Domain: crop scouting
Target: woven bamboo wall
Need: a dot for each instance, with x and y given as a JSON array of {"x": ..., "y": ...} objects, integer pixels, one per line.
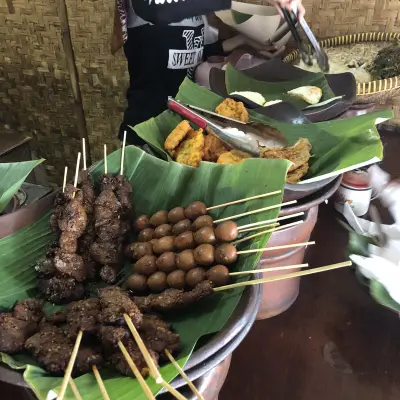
[{"x": 35, "y": 85}]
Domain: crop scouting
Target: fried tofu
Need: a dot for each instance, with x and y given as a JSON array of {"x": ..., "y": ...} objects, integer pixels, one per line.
[
  {"x": 299, "y": 154},
  {"x": 176, "y": 137},
  {"x": 296, "y": 175},
  {"x": 233, "y": 157},
  {"x": 213, "y": 147},
  {"x": 233, "y": 109},
  {"x": 190, "y": 151}
]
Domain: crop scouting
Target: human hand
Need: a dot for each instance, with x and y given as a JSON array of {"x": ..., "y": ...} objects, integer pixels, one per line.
[
  {"x": 268, "y": 49},
  {"x": 290, "y": 5}
]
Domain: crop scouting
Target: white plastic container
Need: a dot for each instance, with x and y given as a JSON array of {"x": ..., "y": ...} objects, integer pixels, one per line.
[{"x": 355, "y": 189}]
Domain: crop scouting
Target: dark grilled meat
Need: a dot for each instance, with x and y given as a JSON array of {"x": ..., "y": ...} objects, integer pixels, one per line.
[
  {"x": 84, "y": 316},
  {"x": 108, "y": 229},
  {"x": 88, "y": 192},
  {"x": 158, "y": 335},
  {"x": 114, "y": 304},
  {"x": 120, "y": 364},
  {"x": 109, "y": 274},
  {"x": 106, "y": 252},
  {"x": 29, "y": 310},
  {"x": 86, "y": 358},
  {"x": 90, "y": 267},
  {"x": 107, "y": 206},
  {"x": 51, "y": 349},
  {"x": 173, "y": 298},
  {"x": 87, "y": 238},
  {"x": 73, "y": 218},
  {"x": 14, "y": 332},
  {"x": 57, "y": 318},
  {"x": 108, "y": 182},
  {"x": 60, "y": 290},
  {"x": 46, "y": 266},
  {"x": 68, "y": 242},
  {"x": 123, "y": 192},
  {"x": 70, "y": 265},
  {"x": 109, "y": 337}
]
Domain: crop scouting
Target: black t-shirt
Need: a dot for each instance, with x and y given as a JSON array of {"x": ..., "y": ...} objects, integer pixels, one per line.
[{"x": 159, "y": 58}]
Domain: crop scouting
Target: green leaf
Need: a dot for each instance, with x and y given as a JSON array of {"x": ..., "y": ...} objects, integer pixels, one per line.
[
  {"x": 12, "y": 176},
  {"x": 382, "y": 296},
  {"x": 237, "y": 81},
  {"x": 156, "y": 185},
  {"x": 337, "y": 145},
  {"x": 358, "y": 244},
  {"x": 240, "y": 17}
]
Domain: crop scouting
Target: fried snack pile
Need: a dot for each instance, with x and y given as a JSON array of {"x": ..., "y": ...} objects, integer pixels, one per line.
[
  {"x": 299, "y": 154},
  {"x": 233, "y": 109},
  {"x": 187, "y": 146}
]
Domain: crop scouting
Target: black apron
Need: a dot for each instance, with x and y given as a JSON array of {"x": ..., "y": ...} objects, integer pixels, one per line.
[{"x": 159, "y": 59}]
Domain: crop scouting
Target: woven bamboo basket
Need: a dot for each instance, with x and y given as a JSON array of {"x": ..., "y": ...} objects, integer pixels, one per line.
[{"x": 367, "y": 92}]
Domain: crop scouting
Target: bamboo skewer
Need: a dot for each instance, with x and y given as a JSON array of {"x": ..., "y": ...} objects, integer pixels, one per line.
[
  {"x": 84, "y": 153},
  {"x": 243, "y": 228},
  {"x": 255, "y": 211},
  {"x": 183, "y": 375},
  {"x": 100, "y": 382},
  {"x": 65, "y": 179},
  {"x": 123, "y": 154},
  {"x": 75, "y": 389},
  {"x": 154, "y": 372},
  {"x": 105, "y": 159},
  {"x": 243, "y": 200},
  {"x": 286, "y": 246},
  {"x": 70, "y": 366},
  {"x": 257, "y": 228},
  {"x": 136, "y": 372},
  {"x": 256, "y": 271},
  {"x": 286, "y": 276},
  {"x": 279, "y": 228},
  {"x": 78, "y": 162}
]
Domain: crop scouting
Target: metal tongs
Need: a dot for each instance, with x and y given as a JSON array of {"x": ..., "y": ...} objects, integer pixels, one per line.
[{"x": 306, "y": 52}]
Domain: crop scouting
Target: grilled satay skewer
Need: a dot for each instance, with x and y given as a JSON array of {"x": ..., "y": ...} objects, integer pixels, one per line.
[
  {"x": 65, "y": 178},
  {"x": 183, "y": 375},
  {"x": 100, "y": 382},
  {"x": 154, "y": 372}
]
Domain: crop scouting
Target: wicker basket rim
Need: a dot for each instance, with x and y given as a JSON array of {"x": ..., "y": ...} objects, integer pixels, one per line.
[{"x": 365, "y": 88}]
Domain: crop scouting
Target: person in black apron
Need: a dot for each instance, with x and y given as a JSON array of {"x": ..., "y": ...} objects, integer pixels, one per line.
[{"x": 161, "y": 53}]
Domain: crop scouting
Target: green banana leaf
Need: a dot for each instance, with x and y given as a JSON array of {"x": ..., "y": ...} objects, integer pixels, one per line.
[
  {"x": 237, "y": 81},
  {"x": 156, "y": 185},
  {"x": 240, "y": 17},
  {"x": 337, "y": 145},
  {"x": 382, "y": 296},
  {"x": 12, "y": 176},
  {"x": 358, "y": 244}
]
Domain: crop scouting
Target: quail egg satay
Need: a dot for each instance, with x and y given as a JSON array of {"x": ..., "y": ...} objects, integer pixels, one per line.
[
  {"x": 177, "y": 279},
  {"x": 185, "y": 241},
  {"x": 204, "y": 254},
  {"x": 226, "y": 231},
  {"x": 202, "y": 221},
  {"x": 225, "y": 254},
  {"x": 159, "y": 218},
  {"x": 195, "y": 276},
  {"x": 163, "y": 230},
  {"x": 195, "y": 210},
  {"x": 182, "y": 226},
  {"x": 205, "y": 235},
  {"x": 218, "y": 275},
  {"x": 176, "y": 215},
  {"x": 137, "y": 283},
  {"x": 141, "y": 223}
]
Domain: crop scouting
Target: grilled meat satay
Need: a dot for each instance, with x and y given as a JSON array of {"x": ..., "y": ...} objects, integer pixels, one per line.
[
  {"x": 60, "y": 289},
  {"x": 109, "y": 274},
  {"x": 158, "y": 335},
  {"x": 70, "y": 265},
  {"x": 73, "y": 218},
  {"x": 83, "y": 316},
  {"x": 172, "y": 299},
  {"x": 88, "y": 192},
  {"x": 106, "y": 253},
  {"x": 123, "y": 192},
  {"x": 19, "y": 325},
  {"x": 52, "y": 349},
  {"x": 114, "y": 304},
  {"x": 118, "y": 361}
]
